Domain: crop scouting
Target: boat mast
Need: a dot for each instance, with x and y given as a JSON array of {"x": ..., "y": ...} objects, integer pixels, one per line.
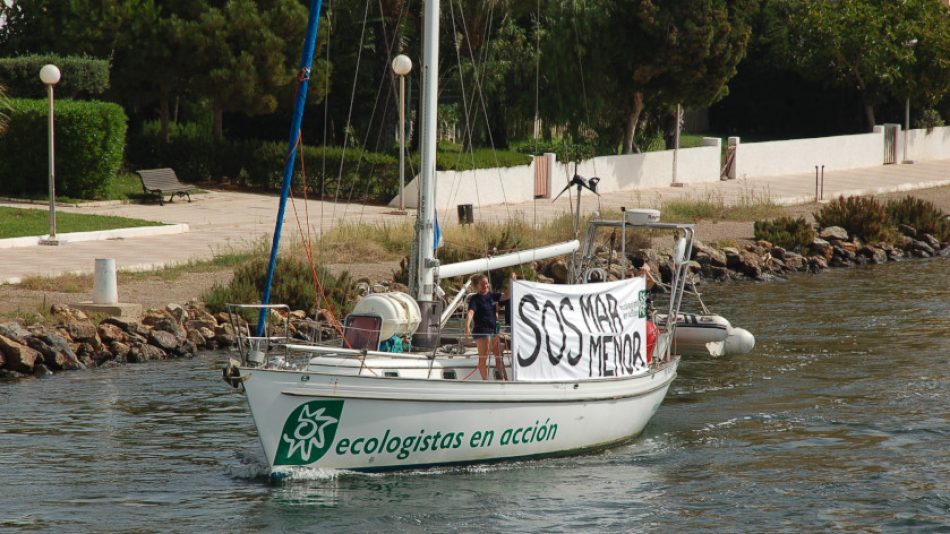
[
  {"x": 306, "y": 61},
  {"x": 425, "y": 262}
]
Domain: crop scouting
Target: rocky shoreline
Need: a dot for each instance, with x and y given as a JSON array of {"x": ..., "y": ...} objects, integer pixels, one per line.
[{"x": 73, "y": 341}]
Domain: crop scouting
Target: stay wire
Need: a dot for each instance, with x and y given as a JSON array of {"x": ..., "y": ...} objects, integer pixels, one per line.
[{"x": 484, "y": 108}]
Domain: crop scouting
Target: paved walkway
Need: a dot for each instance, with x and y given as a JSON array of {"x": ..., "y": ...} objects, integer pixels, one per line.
[{"x": 221, "y": 221}]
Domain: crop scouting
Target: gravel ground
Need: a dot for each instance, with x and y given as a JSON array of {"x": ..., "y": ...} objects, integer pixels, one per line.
[{"x": 155, "y": 292}]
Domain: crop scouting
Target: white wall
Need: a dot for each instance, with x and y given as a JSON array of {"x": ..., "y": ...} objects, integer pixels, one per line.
[
  {"x": 923, "y": 146},
  {"x": 777, "y": 158},
  {"x": 479, "y": 187},
  {"x": 650, "y": 169},
  {"x": 617, "y": 173}
]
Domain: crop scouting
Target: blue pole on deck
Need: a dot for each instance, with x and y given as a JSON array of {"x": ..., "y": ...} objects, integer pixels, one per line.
[{"x": 306, "y": 61}]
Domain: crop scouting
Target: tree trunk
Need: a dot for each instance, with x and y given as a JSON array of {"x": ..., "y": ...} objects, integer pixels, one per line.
[
  {"x": 164, "y": 111},
  {"x": 869, "y": 116},
  {"x": 218, "y": 123},
  {"x": 868, "y": 108},
  {"x": 632, "y": 119}
]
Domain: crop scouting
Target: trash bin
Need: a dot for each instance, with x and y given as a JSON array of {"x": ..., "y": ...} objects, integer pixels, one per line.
[{"x": 466, "y": 214}]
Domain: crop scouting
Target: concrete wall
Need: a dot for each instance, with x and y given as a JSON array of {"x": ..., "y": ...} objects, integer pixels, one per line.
[
  {"x": 650, "y": 169},
  {"x": 923, "y": 146},
  {"x": 479, "y": 187},
  {"x": 777, "y": 158},
  {"x": 616, "y": 173},
  {"x": 694, "y": 165}
]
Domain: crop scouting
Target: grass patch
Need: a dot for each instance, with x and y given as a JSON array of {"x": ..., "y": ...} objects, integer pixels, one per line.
[
  {"x": 22, "y": 222},
  {"x": 125, "y": 186},
  {"x": 361, "y": 243},
  {"x": 220, "y": 262},
  {"x": 750, "y": 206},
  {"x": 82, "y": 283},
  {"x": 66, "y": 283}
]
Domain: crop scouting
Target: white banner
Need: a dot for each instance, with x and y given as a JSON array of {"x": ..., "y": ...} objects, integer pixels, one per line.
[{"x": 572, "y": 332}]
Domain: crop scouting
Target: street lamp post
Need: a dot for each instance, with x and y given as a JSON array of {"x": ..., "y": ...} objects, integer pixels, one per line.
[
  {"x": 909, "y": 44},
  {"x": 401, "y": 67},
  {"x": 676, "y": 147},
  {"x": 50, "y": 75}
]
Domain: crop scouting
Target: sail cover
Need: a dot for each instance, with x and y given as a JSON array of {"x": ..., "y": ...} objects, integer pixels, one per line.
[{"x": 578, "y": 332}]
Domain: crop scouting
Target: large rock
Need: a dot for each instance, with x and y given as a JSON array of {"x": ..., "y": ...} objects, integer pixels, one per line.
[
  {"x": 197, "y": 340},
  {"x": 834, "y": 233},
  {"x": 80, "y": 331},
  {"x": 931, "y": 240},
  {"x": 904, "y": 243},
  {"x": 172, "y": 327},
  {"x": 817, "y": 263},
  {"x": 225, "y": 336},
  {"x": 844, "y": 253},
  {"x": 14, "y": 331},
  {"x": 110, "y": 332},
  {"x": 198, "y": 324},
  {"x": 144, "y": 353},
  {"x": 19, "y": 357},
  {"x": 750, "y": 265},
  {"x": 907, "y": 230},
  {"x": 120, "y": 350},
  {"x": 820, "y": 247},
  {"x": 164, "y": 340},
  {"x": 177, "y": 313},
  {"x": 705, "y": 254},
  {"x": 924, "y": 247},
  {"x": 873, "y": 254},
  {"x": 129, "y": 326},
  {"x": 56, "y": 352},
  {"x": 795, "y": 262}
]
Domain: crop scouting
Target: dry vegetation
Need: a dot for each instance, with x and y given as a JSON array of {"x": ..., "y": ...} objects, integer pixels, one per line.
[{"x": 351, "y": 246}]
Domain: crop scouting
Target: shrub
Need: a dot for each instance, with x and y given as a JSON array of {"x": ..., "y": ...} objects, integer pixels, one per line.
[
  {"x": 90, "y": 140},
  {"x": 479, "y": 158},
  {"x": 566, "y": 148},
  {"x": 864, "y": 217},
  {"x": 191, "y": 150},
  {"x": 930, "y": 119},
  {"x": 83, "y": 77},
  {"x": 293, "y": 285},
  {"x": 786, "y": 232},
  {"x": 351, "y": 174},
  {"x": 920, "y": 214}
]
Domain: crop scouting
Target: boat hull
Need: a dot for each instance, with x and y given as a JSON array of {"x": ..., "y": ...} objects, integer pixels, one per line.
[{"x": 373, "y": 424}]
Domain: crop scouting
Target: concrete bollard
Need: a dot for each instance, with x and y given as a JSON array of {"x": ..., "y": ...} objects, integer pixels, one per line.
[{"x": 104, "y": 287}]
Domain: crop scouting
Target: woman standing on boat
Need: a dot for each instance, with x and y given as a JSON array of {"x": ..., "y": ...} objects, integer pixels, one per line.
[{"x": 482, "y": 308}]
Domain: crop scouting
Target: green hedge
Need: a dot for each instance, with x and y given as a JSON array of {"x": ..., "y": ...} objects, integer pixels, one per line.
[
  {"x": 82, "y": 77},
  {"x": 350, "y": 174},
  {"x": 90, "y": 140}
]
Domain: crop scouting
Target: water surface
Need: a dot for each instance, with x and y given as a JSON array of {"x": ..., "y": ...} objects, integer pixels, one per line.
[{"x": 839, "y": 420}]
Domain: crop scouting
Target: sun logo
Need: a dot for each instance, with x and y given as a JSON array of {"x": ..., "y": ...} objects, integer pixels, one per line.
[{"x": 308, "y": 432}]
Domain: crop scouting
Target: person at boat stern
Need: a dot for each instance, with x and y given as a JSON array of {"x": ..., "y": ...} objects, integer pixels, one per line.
[{"x": 483, "y": 312}]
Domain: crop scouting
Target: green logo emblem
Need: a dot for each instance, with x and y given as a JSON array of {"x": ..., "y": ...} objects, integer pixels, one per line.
[
  {"x": 644, "y": 295},
  {"x": 308, "y": 432}
]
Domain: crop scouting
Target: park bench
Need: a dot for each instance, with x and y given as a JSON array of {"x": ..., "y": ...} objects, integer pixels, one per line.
[{"x": 163, "y": 182}]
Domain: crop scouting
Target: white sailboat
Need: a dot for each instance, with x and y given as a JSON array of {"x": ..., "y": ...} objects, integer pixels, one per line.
[{"x": 583, "y": 374}]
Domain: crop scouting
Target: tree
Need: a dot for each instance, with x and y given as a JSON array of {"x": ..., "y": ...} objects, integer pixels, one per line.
[
  {"x": 242, "y": 54},
  {"x": 635, "y": 54},
  {"x": 884, "y": 48}
]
